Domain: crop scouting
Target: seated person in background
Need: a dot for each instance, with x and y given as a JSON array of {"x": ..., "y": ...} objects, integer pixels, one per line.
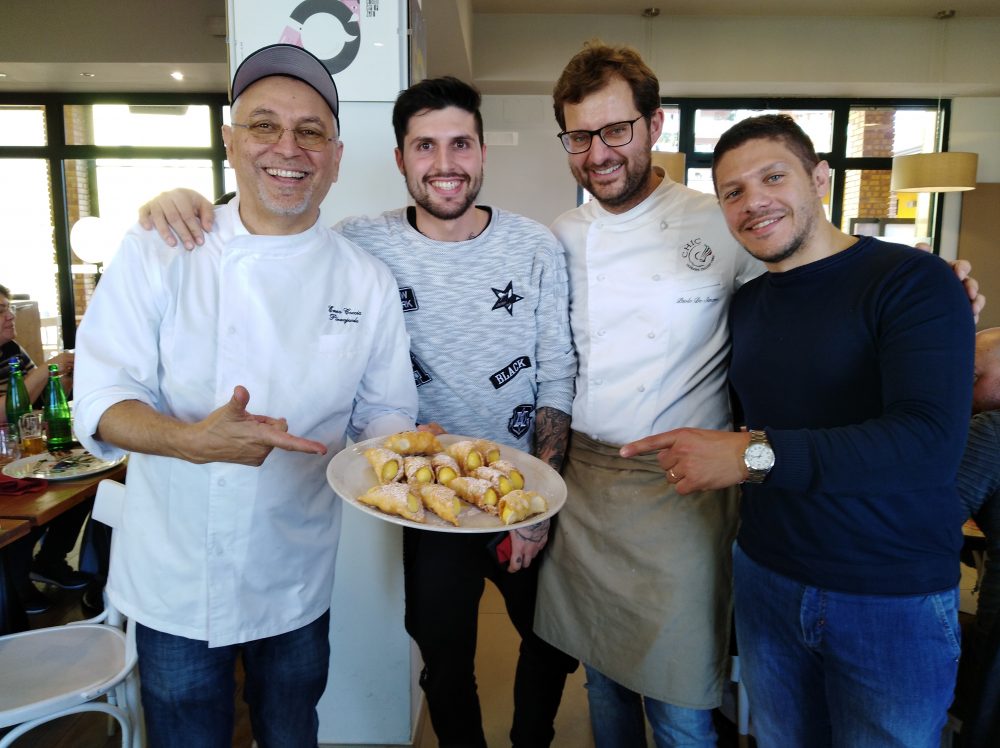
[
  {"x": 58, "y": 536},
  {"x": 979, "y": 488}
]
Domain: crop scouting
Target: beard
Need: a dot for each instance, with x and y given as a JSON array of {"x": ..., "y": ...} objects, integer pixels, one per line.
[
  {"x": 448, "y": 211},
  {"x": 285, "y": 205},
  {"x": 790, "y": 248},
  {"x": 613, "y": 196}
]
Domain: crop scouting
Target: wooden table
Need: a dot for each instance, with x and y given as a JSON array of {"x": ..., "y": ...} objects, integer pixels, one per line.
[
  {"x": 58, "y": 497},
  {"x": 19, "y": 514}
]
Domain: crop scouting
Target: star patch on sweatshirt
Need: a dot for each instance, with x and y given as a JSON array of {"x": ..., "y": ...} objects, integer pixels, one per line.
[{"x": 506, "y": 298}]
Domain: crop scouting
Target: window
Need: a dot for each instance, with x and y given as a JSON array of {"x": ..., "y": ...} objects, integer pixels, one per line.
[
  {"x": 858, "y": 138},
  {"x": 77, "y": 156}
]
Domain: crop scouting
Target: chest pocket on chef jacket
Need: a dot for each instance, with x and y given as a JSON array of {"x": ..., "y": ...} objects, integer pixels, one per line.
[
  {"x": 695, "y": 305},
  {"x": 343, "y": 342}
]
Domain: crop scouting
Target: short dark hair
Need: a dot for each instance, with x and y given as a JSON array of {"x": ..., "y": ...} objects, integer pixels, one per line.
[
  {"x": 435, "y": 94},
  {"x": 4, "y": 291},
  {"x": 778, "y": 127},
  {"x": 594, "y": 66}
]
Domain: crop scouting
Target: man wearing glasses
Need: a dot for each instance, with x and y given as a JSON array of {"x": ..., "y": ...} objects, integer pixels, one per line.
[
  {"x": 230, "y": 532},
  {"x": 637, "y": 584}
]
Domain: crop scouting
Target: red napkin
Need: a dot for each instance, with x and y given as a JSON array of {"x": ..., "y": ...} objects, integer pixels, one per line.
[{"x": 18, "y": 486}]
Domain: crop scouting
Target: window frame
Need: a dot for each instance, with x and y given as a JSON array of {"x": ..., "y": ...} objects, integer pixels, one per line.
[
  {"x": 57, "y": 151},
  {"x": 840, "y": 164}
]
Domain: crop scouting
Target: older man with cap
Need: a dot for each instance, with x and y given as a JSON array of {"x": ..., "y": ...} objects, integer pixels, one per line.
[{"x": 230, "y": 533}]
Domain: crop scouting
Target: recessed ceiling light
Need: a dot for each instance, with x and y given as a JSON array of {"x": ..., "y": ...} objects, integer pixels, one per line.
[
  {"x": 3, "y": 75},
  {"x": 177, "y": 75},
  {"x": 87, "y": 75}
]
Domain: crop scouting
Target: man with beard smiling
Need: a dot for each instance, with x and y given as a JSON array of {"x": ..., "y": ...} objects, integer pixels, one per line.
[
  {"x": 485, "y": 299},
  {"x": 853, "y": 360},
  {"x": 637, "y": 581},
  {"x": 229, "y": 537}
]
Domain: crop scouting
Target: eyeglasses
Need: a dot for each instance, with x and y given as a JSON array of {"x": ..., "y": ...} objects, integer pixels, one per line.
[
  {"x": 307, "y": 138},
  {"x": 4, "y": 308},
  {"x": 614, "y": 135}
]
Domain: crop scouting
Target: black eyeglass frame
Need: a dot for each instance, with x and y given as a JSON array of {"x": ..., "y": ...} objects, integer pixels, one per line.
[{"x": 599, "y": 133}]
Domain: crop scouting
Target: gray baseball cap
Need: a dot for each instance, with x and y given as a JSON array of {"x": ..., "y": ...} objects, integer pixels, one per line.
[{"x": 290, "y": 60}]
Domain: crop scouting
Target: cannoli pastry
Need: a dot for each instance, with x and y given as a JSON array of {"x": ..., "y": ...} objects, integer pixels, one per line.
[
  {"x": 507, "y": 468},
  {"x": 498, "y": 480},
  {"x": 395, "y": 498},
  {"x": 489, "y": 450},
  {"x": 388, "y": 465},
  {"x": 418, "y": 469},
  {"x": 445, "y": 468},
  {"x": 441, "y": 500},
  {"x": 413, "y": 443},
  {"x": 466, "y": 454},
  {"x": 476, "y": 491},
  {"x": 519, "y": 505}
]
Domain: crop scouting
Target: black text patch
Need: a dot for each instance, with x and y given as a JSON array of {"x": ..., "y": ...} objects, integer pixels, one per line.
[{"x": 499, "y": 378}]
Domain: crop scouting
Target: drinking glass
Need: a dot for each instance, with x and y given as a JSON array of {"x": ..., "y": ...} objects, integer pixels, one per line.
[
  {"x": 32, "y": 434},
  {"x": 10, "y": 450}
]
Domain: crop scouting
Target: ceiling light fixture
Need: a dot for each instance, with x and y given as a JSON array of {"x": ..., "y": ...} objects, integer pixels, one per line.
[
  {"x": 177, "y": 75},
  {"x": 943, "y": 171},
  {"x": 87, "y": 75},
  {"x": 650, "y": 12}
]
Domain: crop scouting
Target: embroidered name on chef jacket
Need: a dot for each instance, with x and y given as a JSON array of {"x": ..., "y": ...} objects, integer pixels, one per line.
[
  {"x": 499, "y": 378},
  {"x": 506, "y": 298},
  {"x": 697, "y": 254},
  {"x": 346, "y": 315}
]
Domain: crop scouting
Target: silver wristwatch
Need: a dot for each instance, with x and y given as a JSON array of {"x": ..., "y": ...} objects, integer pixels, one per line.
[{"x": 758, "y": 457}]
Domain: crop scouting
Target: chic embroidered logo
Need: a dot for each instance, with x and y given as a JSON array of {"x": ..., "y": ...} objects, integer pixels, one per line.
[{"x": 697, "y": 254}]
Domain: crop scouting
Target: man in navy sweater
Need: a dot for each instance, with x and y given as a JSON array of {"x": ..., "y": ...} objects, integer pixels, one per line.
[{"x": 852, "y": 359}]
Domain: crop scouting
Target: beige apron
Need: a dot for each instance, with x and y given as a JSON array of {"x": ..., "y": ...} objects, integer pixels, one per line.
[{"x": 637, "y": 579}]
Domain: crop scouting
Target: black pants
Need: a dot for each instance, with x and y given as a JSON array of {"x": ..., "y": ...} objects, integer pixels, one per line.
[{"x": 445, "y": 575}]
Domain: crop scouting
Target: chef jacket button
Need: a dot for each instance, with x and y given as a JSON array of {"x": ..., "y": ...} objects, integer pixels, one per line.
[
  {"x": 656, "y": 277},
  {"x": 651, "y": 335},
  {"x": 600, "y": 333},
  {"x": 641, "y": 388},
  {"x": 600, "y": 277},
  {"x": 221, "y": 482},
  {"x": 598, "y": 381},
  {"x": 231, "y": 330}
]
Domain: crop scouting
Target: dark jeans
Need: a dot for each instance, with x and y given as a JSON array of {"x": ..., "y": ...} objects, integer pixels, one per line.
[
  {"x": 188, "y": 688},
  {"x": 445, "y": 575},
  {"x": 58, "y": 538}
]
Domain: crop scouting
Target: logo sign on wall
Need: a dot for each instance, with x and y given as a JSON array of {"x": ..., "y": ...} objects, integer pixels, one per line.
[{"x": 361, "y": 42}]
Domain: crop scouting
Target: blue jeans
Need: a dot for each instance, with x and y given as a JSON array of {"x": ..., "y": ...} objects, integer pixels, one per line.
[
  {"x": 616, "y": 718},
  {"x": 188, "y": 688},
  {"x": 826, "y": 668}
]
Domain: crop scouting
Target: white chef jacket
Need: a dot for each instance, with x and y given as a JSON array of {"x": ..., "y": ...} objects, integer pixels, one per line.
[
  {"x": 312, "y": 327},
  {"x": 649, "y": 298}
]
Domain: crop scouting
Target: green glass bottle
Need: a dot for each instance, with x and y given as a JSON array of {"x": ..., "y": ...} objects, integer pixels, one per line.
[
  {"x": 56, "y": 413},
  {"x": 17, "y": 397}
]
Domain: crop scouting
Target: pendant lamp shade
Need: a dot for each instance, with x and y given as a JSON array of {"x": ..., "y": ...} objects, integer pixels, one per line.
[{"x": 950, "y": 171}]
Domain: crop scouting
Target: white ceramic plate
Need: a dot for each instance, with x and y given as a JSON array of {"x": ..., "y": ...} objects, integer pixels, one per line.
[
  {"x": 71, "y": 464},
  {"x": 350, "y": 475}
]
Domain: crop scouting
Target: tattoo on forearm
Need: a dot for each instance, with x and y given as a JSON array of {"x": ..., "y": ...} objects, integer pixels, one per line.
[
  {"x": 535, "y": 533},
  {"x": 551, "y": 436}
]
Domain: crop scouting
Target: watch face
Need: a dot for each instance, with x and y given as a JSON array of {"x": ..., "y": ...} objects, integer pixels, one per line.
[{"x": 759, "y": 457}]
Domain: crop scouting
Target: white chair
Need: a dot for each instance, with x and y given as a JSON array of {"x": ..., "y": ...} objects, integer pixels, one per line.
[
  {"x": 742, "y": 703},
  {"x": 52, "y": 672}
]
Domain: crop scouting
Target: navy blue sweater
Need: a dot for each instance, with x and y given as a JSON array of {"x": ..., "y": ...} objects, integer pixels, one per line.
[{"x": 859, "y": 367}]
